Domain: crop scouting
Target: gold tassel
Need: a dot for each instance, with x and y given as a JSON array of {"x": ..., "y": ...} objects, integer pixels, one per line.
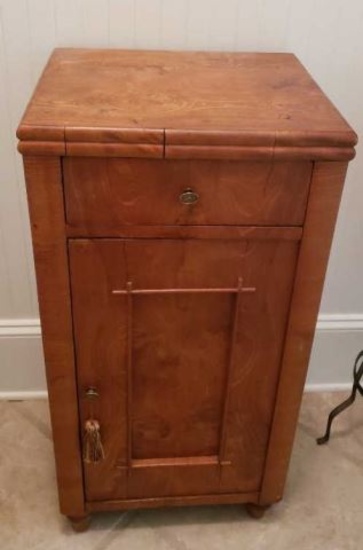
[{"x": 92, "y": 445}]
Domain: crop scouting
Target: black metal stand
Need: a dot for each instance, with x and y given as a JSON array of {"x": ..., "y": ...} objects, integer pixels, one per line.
[{"x": 357, "y": 387}]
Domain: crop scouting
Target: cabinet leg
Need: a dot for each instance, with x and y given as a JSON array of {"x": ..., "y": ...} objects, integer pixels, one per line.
[
  {"x": 256, "y": 511},
  {"x": 80, "y": 523}
]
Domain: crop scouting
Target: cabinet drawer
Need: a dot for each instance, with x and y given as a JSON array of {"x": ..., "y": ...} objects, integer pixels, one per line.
[{"x": 102, "y": 194}]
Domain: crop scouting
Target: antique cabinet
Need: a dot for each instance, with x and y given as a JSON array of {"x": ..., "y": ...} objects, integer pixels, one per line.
[{"x": 182, "y": 209}]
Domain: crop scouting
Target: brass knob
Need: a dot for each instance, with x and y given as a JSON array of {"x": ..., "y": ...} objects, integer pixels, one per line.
[
  {"x": 189, "y": 196},
  {"x": 91, "y": 393}
]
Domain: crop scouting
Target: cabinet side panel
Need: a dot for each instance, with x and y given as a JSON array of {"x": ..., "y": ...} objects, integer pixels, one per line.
[
  {"x": 326, "y": 188},
  {"x": 44, "y": 188}
]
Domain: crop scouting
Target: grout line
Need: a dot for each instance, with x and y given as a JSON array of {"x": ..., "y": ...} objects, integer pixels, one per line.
[
  {"x": 28, "y": 415},
  {"x": 171, "y": 539},
  {"x": 122, "y": 522}
]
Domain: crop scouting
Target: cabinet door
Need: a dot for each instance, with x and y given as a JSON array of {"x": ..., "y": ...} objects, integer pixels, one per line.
[{"x": 182, "y": 340}]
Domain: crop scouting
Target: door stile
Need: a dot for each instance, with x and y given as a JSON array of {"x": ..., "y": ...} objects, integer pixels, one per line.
[
  {"x": 222, "y": 446},
  {"x": 129, "y": 374}
]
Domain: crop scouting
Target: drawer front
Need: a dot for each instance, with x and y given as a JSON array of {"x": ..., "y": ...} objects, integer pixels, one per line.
[{"x": 103, "y": 194}]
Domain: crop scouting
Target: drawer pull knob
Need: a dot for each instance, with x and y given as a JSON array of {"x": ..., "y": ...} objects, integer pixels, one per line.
[
  {"x": 91, "y": 393},
  {"x": 189, "y": 196}
]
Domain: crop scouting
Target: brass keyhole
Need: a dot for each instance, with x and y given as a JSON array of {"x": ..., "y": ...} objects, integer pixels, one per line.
[
  {"x": 189, "y": 196},
  {"x": 91, "y": 393}
]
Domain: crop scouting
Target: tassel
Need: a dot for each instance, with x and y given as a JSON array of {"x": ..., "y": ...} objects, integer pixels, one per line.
[{"x": 92, "y": 445}]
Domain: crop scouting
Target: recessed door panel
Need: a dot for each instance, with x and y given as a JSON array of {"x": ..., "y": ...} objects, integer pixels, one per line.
[{"x": 180, "y": 352}]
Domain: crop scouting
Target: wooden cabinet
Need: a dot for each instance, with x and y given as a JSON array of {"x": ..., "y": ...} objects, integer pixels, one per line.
[{"x": 181, "y": 236}]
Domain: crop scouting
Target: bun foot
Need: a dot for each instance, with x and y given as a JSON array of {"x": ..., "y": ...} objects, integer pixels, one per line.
[
  {"x": 80, "y": 523},
  {"x": 256, "y": 511}
]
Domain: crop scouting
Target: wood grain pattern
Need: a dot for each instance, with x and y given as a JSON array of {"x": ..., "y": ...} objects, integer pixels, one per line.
[
  {"x": 326, "y": 189},
  {"x": 127, "y": 150},
  {"x": 51, "y": 148},
  {"x": 102, "y": 195},
  {"x": 157, "y": 502},
  {"x": 113, "y": 134},
  {"x": 258, "y": 233},
  {"x": 101, "y": 321},
  {"x": 257, "y": 361},
  {"x": 179, "y": 360},
  {"x": 232, "y": 152},
  {"x": 185, "y": 418},
  {"x": 44, "y": 187},
  {"x": 174, "y": 461},
  {"x": 180, "y": 91},
  {"x": 257, "y": 145},
  {"x": 199, "y": 382}
]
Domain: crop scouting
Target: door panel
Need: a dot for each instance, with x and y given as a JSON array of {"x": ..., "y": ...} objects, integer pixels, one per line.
[
  {"x": 169, "y": 361},
  {"x": 182, "y": 339}
]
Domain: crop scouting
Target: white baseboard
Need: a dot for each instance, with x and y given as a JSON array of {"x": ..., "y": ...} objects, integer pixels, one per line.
[
  {"x": 338, "y": 339},
  {"x": 23, "y": 395},
  {"x": 16, "y": 328},
  {"x": 336, "y": 321},
  {"x": 310, "y": 388},
  {"x": 22, "y": 373}
]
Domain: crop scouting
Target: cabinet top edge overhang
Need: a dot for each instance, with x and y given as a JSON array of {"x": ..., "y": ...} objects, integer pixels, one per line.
[{"x": 181, "y": 105}]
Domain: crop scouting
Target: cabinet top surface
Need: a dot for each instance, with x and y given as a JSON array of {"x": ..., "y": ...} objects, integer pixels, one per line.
[{"x": 261, "y": 98}]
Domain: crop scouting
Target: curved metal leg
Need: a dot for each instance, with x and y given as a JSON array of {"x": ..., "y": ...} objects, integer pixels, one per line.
[{"x": 357, "y": 387}]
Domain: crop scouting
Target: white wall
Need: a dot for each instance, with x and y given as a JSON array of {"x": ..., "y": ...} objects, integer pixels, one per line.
[{"x": 325, "y": 34}]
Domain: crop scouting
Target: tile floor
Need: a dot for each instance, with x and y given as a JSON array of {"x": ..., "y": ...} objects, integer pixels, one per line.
[{"x": 322, "y": 508}]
